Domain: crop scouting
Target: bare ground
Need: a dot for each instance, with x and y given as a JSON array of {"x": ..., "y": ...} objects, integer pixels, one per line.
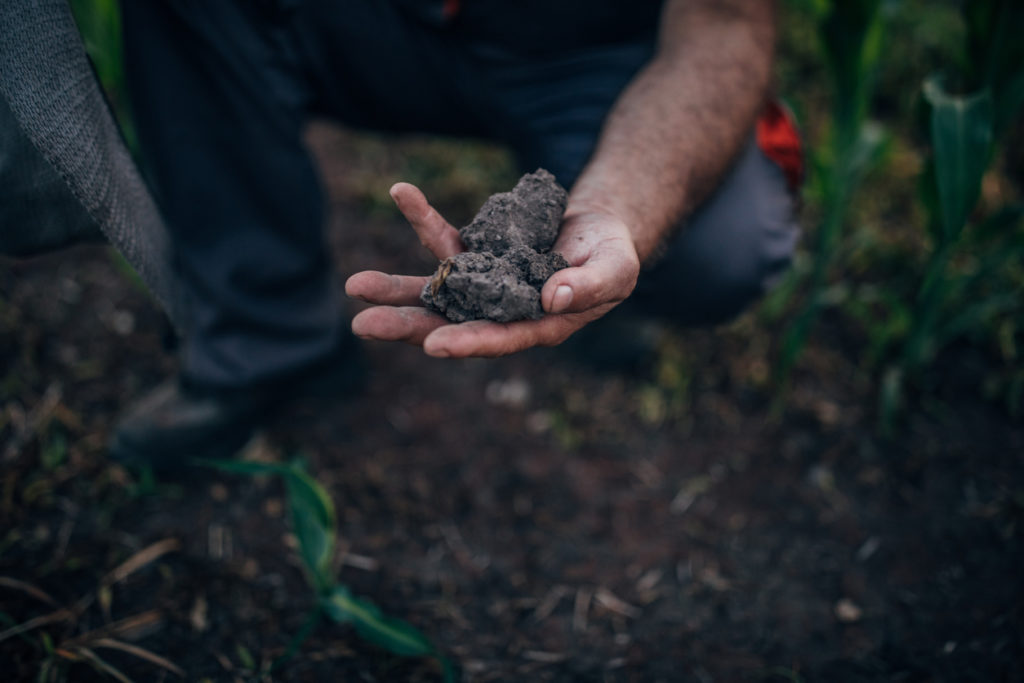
[{"x": 539, "y": 519}]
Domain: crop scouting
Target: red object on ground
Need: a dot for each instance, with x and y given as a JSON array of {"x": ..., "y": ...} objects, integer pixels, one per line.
[{"x": 778, "y": 138}]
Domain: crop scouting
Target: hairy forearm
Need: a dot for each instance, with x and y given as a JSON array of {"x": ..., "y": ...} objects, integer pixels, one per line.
[{"x": 675, "y": 129}]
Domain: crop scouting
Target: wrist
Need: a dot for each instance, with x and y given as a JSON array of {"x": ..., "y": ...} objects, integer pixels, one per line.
[
  {"x": 598, "y": 212},
  {"x": 647, "y": 230}
]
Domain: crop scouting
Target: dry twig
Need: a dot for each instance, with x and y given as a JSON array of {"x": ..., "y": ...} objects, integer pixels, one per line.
[
  {"x": 140, "y": 559},
  {"x": 25, "y": 587},
  {"x": 141, "y": 653}
]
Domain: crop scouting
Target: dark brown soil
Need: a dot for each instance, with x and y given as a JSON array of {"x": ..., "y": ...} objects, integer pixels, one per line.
[
  {"x": 508, "y": 257},
  {"x": 538, "y": 520}
]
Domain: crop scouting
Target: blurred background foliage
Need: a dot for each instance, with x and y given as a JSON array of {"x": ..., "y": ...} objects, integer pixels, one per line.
[
  {"x": 911, "y": 270},
  {"x": 912, "y": 206}
]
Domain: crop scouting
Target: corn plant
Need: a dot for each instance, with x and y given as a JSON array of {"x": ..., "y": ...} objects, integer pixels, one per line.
[
  {"x": 850, "y": 33},
  {"x": 952, "y": 300},
  {"x": 315, "y": 525}
]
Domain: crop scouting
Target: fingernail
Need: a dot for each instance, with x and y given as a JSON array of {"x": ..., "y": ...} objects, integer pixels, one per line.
[
  {"x": 435, "y": 350},
  {"x": 562, "y": 298}
]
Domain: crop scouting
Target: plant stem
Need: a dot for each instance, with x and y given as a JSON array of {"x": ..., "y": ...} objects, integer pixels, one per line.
[
  {"x": 299, "y": 638},
  {"x": 828, "y": 236},
  {"x": 930, "y": 300}
]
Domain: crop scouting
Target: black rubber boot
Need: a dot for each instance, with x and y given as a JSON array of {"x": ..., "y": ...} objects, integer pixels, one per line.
[
  {"x": 174, "y": 425},
  {"x": 178, "y": 423}
]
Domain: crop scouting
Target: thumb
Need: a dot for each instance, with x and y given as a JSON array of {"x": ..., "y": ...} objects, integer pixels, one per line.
[{"x": 605, "y": 278}]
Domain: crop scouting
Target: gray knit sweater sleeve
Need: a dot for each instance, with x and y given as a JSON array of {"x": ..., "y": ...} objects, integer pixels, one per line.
[{"x": 63, "y": 166}]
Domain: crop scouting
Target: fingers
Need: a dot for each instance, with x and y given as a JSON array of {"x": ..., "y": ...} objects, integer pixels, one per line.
[
  {"x": 605, "y": 273},
  {"x": 481, "y": 338},
  {"x": 608, "y": 277},
  {"x": 385, "y": 289},
  {"x": 410, "y": 324},
  {"x": 442, "y": 339},
  {"x": 435, "y": 233}
]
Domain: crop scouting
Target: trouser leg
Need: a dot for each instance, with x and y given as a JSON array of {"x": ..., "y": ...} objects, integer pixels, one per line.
[
  {"x": 219, "y": 104},
  {"x": 734, "y": 248}
]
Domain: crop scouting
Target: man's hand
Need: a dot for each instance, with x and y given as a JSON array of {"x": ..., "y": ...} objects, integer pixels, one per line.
[{"x": 603, "y": 270}]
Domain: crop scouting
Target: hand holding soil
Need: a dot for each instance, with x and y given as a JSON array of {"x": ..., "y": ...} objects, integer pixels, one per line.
[
  {"x": 509, "y": 256},
  {"x": 602, "y": 271}
]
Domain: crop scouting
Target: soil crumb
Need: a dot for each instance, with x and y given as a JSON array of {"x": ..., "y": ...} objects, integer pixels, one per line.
[{"x": 509, "y": 256}]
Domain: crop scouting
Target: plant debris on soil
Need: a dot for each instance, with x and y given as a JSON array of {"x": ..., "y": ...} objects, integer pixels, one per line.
[
  {"x": 509, "y": 256},
  {"x": 538, "y": 520}
]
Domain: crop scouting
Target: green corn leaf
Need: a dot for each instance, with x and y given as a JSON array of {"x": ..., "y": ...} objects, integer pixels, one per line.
[
  {"x": 961, "y": 133},
  {"x": 314, "y": 524},
  {"x": 851, "y": 41},
  {"x": 997, "y": 54},
  {"x": 394, "y": 635}
]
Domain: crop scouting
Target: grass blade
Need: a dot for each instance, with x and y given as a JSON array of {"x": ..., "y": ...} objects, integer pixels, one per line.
[
  {"x": 24, "y": 587},
  {"x": 59, "y": 615},
  {"x": 101, "y": 665},
  {"x": 141, "y": 653},
  {"x": 135, "y": 626},
  {"x": 147, "y": 555}
]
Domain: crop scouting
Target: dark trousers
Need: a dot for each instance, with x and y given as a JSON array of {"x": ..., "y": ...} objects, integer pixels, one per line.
[{"x": 222, "y": 90}]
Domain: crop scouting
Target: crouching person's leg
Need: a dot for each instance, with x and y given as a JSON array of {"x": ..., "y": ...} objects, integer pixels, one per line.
[
  {"x": 733, "y": 249},
  {"x": 220, "y": 105}
]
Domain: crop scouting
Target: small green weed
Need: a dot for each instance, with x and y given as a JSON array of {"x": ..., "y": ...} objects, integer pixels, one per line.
[{"x": 315, "y": 525}]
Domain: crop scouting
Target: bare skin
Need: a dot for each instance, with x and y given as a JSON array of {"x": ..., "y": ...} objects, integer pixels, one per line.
[{"x": 667, "y": 141}]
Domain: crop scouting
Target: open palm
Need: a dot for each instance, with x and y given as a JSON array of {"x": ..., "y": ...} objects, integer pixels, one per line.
[{"x": 603, "y": 271}]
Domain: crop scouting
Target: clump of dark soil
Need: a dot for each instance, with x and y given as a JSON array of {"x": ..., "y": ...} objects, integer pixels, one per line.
[{"x": 509, "y": 255}]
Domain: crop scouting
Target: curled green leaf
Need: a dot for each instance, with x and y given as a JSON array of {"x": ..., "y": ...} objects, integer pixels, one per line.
[{"x": 961, "y": 134}]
